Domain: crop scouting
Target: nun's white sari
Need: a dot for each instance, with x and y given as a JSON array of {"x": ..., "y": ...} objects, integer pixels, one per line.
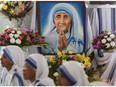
[
  {"x": 110, "y": 72},
  {"x": 42, "y": 70},
  {"x": 3, "y": 75},
  {"x": 74, "y": 73},
  {"x": 14, "y": 76}
]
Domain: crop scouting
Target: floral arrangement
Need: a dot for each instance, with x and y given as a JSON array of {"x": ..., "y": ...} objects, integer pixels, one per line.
[
  {"x": 55, "y": 61},
  {"x": 105, "y": 41},
  {"x": 15, "y": 9},
  {"x": 12, "y": 36}
]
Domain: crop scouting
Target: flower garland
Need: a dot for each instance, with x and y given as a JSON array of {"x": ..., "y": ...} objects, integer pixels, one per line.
[
  {"x": 15, "y": 9},
  {"x": 12, "y": 36}
]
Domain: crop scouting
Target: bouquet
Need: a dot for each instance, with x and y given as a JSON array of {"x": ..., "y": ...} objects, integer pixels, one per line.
[
  {"x": 15, "y": 9},
  {"x": 105, "y": 41},
  {"x": 55, "y": 61},
  {"x": 12, "y": 36}
]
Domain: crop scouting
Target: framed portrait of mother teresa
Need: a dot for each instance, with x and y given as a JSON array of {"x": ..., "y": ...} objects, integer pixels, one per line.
[{"x": 63, "y": 25}]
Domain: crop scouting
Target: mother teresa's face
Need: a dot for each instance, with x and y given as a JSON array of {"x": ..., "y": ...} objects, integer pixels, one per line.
[{"x": 62, "y": 21}]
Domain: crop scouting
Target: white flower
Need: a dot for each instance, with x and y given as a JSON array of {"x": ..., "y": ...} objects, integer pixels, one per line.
[
  {"x": 18, "y": 32},
  {"x": 7, "y": 27},
  {"x": 104, "y": 41},
  {"x": 16, "y": 35},
  {"x": 49, "y": 66},
  {"x": 105, "y": 36},
  {"x": 1, "y": 5},
  {"x": 18, "y": 41},
  {"x": 5, "y": 2},
  {"x": 64, "y": 61},
  {"x": 108, "y": 45},
  {"x": 11, "y": 35},
  {"x": 13, "y": 31},
  {"x": 15, "y": 28},
  {"x": 112, "y": 43},
  {"x": 112, "y": 36},
  {"x": 55, "y": 74},
  {"x": 12, "y": 40},
  {"x": 109, "y": 39},
  {"x": 109, "y": 33}
]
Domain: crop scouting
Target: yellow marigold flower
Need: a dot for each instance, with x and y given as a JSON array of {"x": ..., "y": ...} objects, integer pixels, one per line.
[
  {"x": 11, "y": 12},
  {"x": 19, "y": 4},
  {"x": 70, "y": 52},
  {"x": 5, "y": 7},
  {"x": 83, "y": 55},
  {"x": 63, "y": 52},
  {"x": 87, "y": 64},
  {"x": 78, "y": 55},
  {"x": 11, "y": 3},
  {"x": 51, "y": 58},
  {"x": 59, "y": 54},
  {"x": 86, "y": 59},
  {"x": 64, "y": 56}
]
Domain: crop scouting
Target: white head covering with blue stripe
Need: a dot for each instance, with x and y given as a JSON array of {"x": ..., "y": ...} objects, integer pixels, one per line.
[
  {"x": 39, "y": 62},
  {"x": 15, "y": 55},
  {"x": 74, "y": 73}
]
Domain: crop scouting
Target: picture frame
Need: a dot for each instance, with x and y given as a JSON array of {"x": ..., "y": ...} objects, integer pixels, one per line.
[{"x": 44, "y": 11}]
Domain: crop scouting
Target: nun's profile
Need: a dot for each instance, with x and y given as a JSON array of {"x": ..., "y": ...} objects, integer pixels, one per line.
[
  {"x": 13, "y": 60},
  {"x": 36, "y": 70},
  {"x": 72, "y": 73},
  {"x": 64, "y": 30}
]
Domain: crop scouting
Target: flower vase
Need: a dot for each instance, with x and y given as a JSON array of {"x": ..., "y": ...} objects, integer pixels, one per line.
[{"x": 16, "y": 23}]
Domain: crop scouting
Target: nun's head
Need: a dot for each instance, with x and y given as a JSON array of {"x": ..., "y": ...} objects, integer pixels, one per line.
[
  {"x": 6, "y": 62},
  {"x": 35, "y": 68},
  {"x": 72, "y": 73},
  {"x": 12, "y": 55},
  {"x": 29, "y": 72}
]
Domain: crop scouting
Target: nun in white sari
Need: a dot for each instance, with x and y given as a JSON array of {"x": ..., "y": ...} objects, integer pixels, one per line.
[
  {"x": 36, "y": 70},
  {"x": 72, "y": 74},
  {"x": 110, "y": 72},
  {"x": 13, "y": 61}
]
